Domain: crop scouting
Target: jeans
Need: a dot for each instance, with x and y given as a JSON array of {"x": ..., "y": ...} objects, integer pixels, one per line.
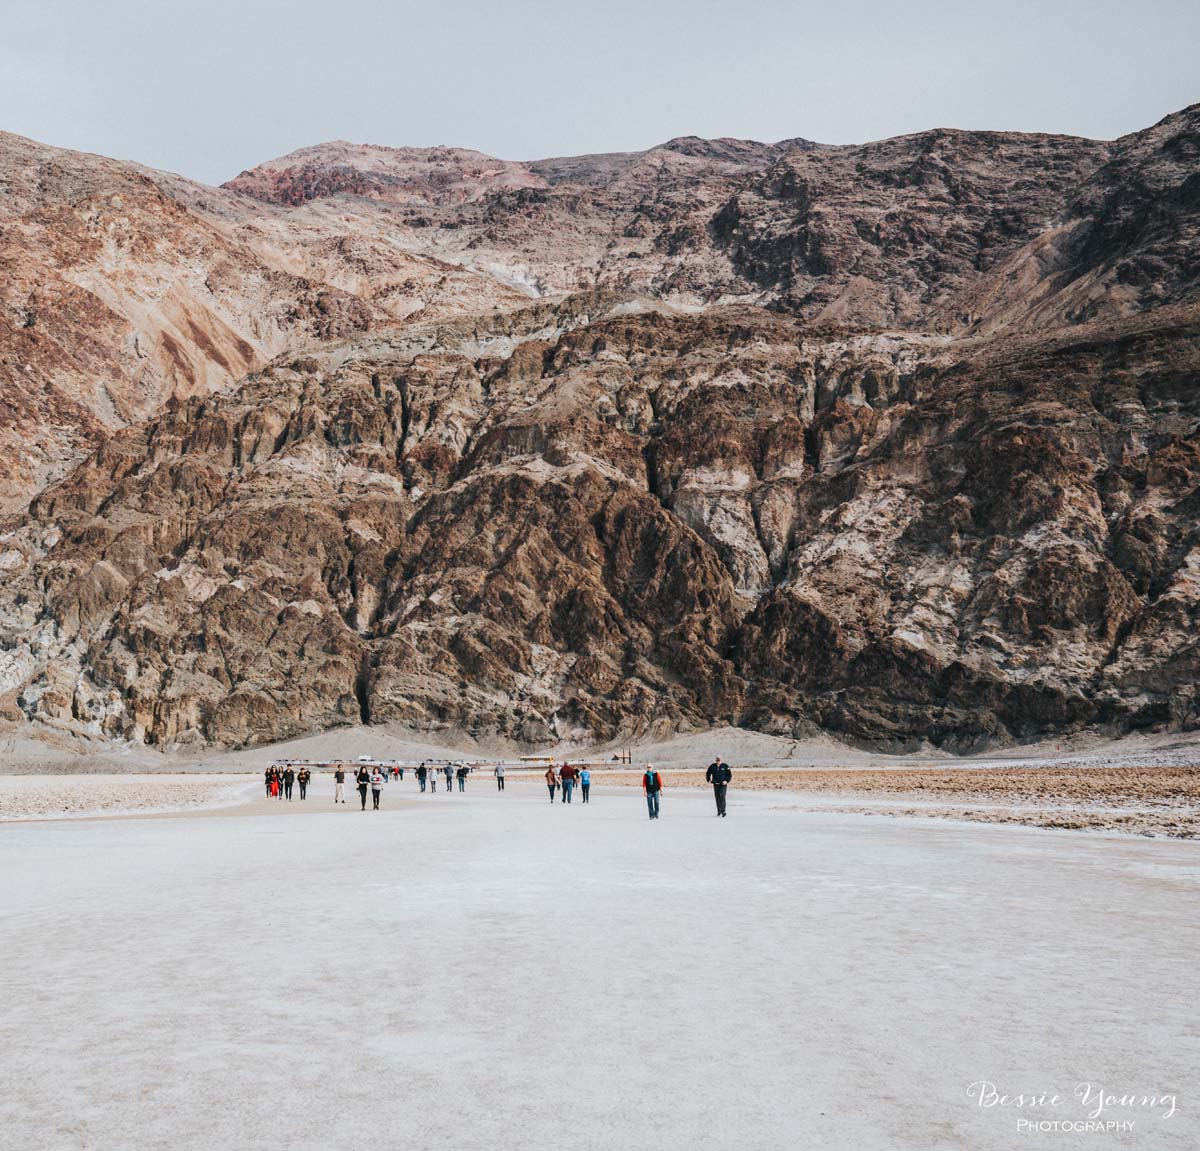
[
  {"x": 719, "y": 790},
  {"x": 462, "y": 783},
  {"x": 585, "y": 788},
  {"x": 499, "y": 783},
  {"x": 287, "y": 789},
  {"x": 374, "y": 798},
  {"x": 652, "y": 803},
  {"x": 568, "y": 789},
  {"x": 362, "y": 790},
  {"x": 552, "y": 787},
  {"x": 303, "y": 789},
  {"x": 422, "y": 783}
]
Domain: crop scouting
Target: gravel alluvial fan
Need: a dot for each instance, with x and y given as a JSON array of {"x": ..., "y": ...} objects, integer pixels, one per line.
[{"x": 899, "y": 441}]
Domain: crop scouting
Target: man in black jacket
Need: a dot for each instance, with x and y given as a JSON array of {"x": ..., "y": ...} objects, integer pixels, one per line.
[{"x": 719, "y": 775}]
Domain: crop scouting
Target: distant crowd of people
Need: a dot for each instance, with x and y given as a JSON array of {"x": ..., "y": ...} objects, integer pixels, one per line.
[
  {"x": 281, "y": 780},
  {"x": 562, "y": 781}
]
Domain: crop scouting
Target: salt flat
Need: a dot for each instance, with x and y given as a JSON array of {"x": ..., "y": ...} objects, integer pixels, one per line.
[{"x": 489, "y": 971}]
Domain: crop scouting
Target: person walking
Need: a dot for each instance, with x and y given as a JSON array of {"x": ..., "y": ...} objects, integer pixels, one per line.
[
  {"x": 421, "y": 774},
  {"x": 289, "y": 777},
  {"x": 719, "y": 775},
  {"x": 274, "y": 785},
  {"x": 377, "y": 778},
  {"x": 339, "y": 784},
  {"x": 551, "y": 781},
  {"x": 267, "y": 776},
  {"x": 433, "y": 774},
  {"x": 498, "y": 772},
  {"x": 567, "y": 775},
  {"x": 363, "y": 779},
  {"x": 302, "y": 778},
  {"x": 462, "y": 777},
  {"x": 448, "y": 770},
  {"x": 652, "y": 785},
  {"x": 585, "y": 784}
]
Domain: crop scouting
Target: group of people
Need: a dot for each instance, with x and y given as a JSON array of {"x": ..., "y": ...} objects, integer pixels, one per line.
[
  {"x": 372, "y": 777},
  {"x": 566, "y": 777},
  {"x": 427, "y": 774},
  {"x": 280, "y": 781},
  {"x": 719, "y": 775}
]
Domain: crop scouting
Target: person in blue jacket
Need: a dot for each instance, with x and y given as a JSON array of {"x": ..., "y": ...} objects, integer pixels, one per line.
[{"x": 585, "y": 783}]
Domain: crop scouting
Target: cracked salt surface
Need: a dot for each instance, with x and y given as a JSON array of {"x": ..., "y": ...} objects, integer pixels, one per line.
[{"x": 493, "y": 971}]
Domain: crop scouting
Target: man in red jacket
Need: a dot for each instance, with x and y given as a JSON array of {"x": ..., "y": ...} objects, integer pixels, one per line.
[
  {"x": 567, "y": 774},
  {"x": 652, "y": 784}
]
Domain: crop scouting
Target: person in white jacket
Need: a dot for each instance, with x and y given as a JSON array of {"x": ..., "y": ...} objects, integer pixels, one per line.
[{"x": 377, "y": 778}]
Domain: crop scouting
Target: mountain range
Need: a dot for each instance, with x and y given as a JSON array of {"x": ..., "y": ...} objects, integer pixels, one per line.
[{"x": 898, "y": 441}]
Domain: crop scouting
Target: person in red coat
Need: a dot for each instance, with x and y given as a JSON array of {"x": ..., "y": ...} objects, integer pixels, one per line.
[{"x": 568, "y": 775}]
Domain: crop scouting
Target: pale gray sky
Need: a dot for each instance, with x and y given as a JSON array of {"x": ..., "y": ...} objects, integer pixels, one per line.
[{"x": 209, "y": 87}]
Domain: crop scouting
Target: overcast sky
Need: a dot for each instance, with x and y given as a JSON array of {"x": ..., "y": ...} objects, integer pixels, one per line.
[{"x": 209, "y": 88}]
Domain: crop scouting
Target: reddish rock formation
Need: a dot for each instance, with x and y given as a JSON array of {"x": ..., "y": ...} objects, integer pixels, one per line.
[{"x": 900, "y": 441}]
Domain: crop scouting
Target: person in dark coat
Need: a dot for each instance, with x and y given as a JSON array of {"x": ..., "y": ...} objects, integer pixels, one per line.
[
  {"x": 719, "y": 775},
  {"x": 302, "y": 778},
  {"x": 422, "y": 773},
  {"x": 363, "y": 779},
  {"x": 289, "y": 777}
]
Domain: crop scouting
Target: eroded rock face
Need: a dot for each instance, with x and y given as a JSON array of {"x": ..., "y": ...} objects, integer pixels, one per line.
[
  {"x": 647, "y": 523},
  {"x": 897, "y": 441}
]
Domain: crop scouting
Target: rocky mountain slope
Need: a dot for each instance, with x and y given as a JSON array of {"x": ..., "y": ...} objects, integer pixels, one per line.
[{"x": 900, "y": 441}]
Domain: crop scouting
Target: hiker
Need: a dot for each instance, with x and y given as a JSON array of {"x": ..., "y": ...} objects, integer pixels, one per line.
[
  {"x": 377, "y": 778},
  {"x": 498, "y": 772},
  {"x": 652, "y": 785},
  {"x": 421, "y": 774},
  {"x": 302, "y": 778},
  {"x": 719, "y": 775},
  {"x": 289, "y": 777},
  {"x": 567, "y": 775},
  {"x": 339, "y": 784},
  {"x": 363, "y": 779},
  {"x": 462, "y": 777},
  {"x": 585, "y": 783},
  {"x": 551, "y": 781},
  {"x": 449, "y": 771}
]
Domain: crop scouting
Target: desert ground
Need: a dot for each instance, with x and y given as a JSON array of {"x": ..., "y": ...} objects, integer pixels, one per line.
[{"x": 491, "y": 971}]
